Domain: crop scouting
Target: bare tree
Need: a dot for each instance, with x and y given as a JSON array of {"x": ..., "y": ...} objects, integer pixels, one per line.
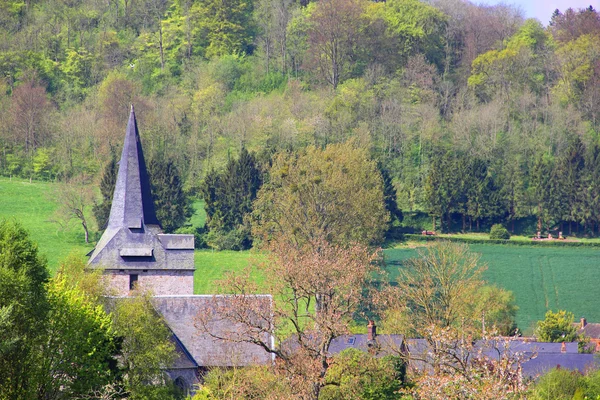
[
  {"x": 74, "y": 200},
  {"x": 315, "y": 292}
]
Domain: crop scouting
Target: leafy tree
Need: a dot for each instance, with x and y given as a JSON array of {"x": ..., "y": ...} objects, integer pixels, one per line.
[
  {"x": 556, "y": 327},
  {"x": 334, "y": 194},
  {"x": 254, "y": 382},
  {"x": 559, "y": 384},
  {"x": 146, "y": 348},
  {"x": 80, "y": 347},
  {"x": 499, "y": 232},
  {"x": 355, "y": 374},
  {"x": 223, "y": 27},
  {"x": 228, "y": 197},
  {"x": 107, "y": 186},
  {"x": 23, "y": 310},
  {"x": 442, "y": 287},
  {"x": 74, "y": 200},
  {"x": 172, "y": 204}
]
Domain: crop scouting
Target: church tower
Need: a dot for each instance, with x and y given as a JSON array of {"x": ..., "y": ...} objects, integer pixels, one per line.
[{"x": 133, "y": 251}]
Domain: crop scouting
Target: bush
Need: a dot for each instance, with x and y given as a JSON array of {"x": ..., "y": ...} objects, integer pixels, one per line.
[{"x": 499, "y": 232}]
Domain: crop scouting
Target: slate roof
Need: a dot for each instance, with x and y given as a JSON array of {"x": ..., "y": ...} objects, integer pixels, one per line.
[
  {"x": 133, "y": 238},
  {"x": 540, "y": 356},
  {"x": 181, "y": 314},
  {"x": 591, "y": 330},
  {"x": 384, "y": 344}
]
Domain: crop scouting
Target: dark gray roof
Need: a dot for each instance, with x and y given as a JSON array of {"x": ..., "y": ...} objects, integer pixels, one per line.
[
  {"x": 133, "y": 238},
  {"x": 546, "y": 361},
  {"x": 591, "y": 330},
  {"x": 181, "y": 313},
  {"x": 383, "y": 344},
  {"x": 132, "y": 203},
  {"x": 539, "y": 356}
]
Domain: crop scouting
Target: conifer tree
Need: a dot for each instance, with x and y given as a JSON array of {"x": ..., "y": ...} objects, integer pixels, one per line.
[
  {"x": 228, "y": 197},
  {"x": 107, "y": 186},
  {"x": 172, "y": 204}
]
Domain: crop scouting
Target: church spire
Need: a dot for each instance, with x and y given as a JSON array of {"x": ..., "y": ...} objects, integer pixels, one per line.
[{"x": 132, "y": 205}]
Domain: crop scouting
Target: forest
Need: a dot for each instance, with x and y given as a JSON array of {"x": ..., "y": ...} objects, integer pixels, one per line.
[{"x": 475, "y": 115}]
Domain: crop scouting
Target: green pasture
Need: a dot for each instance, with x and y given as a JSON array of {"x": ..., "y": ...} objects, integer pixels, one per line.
[
  {"x": 32, "y": 204},
  {"x": 541, "y": 278}
]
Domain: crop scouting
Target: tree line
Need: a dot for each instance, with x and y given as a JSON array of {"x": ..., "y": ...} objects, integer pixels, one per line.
[{"x": 404, "y": 78}]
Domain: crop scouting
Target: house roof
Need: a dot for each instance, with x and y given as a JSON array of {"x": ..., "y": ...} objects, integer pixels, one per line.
[
  {"x": 182, "y": 313},
  {"x": 591, "y": 330},
  {"x": 385, "y": 344},
  {"x": 539, "y": 356},
  {"x": 133, "y": 238}
]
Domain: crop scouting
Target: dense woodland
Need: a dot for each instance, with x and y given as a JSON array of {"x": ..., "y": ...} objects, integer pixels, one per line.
[{"x": 475, "y": 114}]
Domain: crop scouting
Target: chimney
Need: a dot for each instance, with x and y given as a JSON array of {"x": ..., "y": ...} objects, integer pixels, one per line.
[
  {"x": 563, "y": 347},
  {"x": 583, "y": 323},
  {"x": 371, "y": 330}
]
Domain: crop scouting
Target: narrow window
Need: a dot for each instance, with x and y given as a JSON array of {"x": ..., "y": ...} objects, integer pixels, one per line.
[{"x": 132, "y": 280}]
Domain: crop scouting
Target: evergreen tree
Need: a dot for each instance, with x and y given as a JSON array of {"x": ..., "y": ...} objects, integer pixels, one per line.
[
  {"x": 228, "y": 197},
  {"x": 172, "y": 204},
  {"x": 389, "y": 196},
  {"x": 107, "y": 186}
]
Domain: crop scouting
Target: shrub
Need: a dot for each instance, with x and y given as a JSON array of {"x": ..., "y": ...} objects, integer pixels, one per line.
[{"x": 499, "y": 232}]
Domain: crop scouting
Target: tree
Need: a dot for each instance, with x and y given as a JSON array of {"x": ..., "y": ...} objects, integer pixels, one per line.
[
  {"x": 228, "y": 197},
  {"x": 389, "y": 196},
  {"x": 556, "y": 327},
  {"x": 146, "y": 347},
  {"x": 333, "y": 32},
  {"x": 462, "y": 369},
  {"x": 172, "y": 204},
  {"x": 74, "y": 201},
  {"x": 223, "y": 27},
  {"x": 80, "y": 346},
  {"x": 317, "y": 288},
  {"x": 29, "y": 110},
  {"x": 253, "y": 382},
  {"x": 442, "y": 287},
  {"x": 333, "y": 194},
  {"x": 107, "y": 186},
  {"x": 355, "y": 374},
  {"x": 23, "y": 310}
]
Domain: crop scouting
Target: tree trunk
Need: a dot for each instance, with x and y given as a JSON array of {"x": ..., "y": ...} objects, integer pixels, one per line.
[
  {"x": 464, "y": 223},
  {"x": 160, "y": 45},
  {"x": 87, "y": 234}
]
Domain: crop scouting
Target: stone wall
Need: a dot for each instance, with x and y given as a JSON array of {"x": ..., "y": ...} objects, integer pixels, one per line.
[{"x": 160, "y": 282}]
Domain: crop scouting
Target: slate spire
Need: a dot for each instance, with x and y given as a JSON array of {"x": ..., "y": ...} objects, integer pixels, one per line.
[{"x": 132, "y": 205}]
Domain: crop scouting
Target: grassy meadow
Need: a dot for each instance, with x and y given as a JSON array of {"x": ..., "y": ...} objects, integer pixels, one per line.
[{"x": 33, "y": 205}]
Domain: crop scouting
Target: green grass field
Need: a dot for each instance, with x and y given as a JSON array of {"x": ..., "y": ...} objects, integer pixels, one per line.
[
  {"x": 32, "y": 205},
  {"x": 541, "y": 278}
]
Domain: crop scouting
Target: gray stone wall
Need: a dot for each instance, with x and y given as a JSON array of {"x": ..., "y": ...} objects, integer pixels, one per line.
[
  {"x": 188, "y": 378},
  {"x": 160, "y": 282}
]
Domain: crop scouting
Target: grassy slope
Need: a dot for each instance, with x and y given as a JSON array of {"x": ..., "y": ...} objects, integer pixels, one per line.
[
  {"x": 540, "y": 278},
  {"x": 32, "y": 205}
]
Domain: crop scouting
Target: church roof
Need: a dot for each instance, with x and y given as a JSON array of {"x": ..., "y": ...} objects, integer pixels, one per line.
[
  {"x": 132, "y": 203},
  {"x": 133, "y": 238},
  {"x": 183, "y": 315}
]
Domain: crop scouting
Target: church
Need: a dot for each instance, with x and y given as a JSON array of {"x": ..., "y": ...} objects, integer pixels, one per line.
[{"x": 133, "y": 252}]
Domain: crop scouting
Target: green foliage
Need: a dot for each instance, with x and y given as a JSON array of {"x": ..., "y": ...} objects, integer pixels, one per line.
[
  {"x": 23, "y": 310},
  {"x": 107, "y": 187},
  {"x": 80, "y": 350},
  {"x": 173, "y": 206},
  {"x": 222, "y": 28},
  {"x": 228, "y": 197},
  {"x": 355, "y": 374},
  {"x": 335, "y": 194},
  {"x": 498, "y": 231},
  {"x": 558, "y": 384},
  {"x": 556, "y": 327},
  {"x": 146, "y": 347},
  {"x": 256, "y": 382}
]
